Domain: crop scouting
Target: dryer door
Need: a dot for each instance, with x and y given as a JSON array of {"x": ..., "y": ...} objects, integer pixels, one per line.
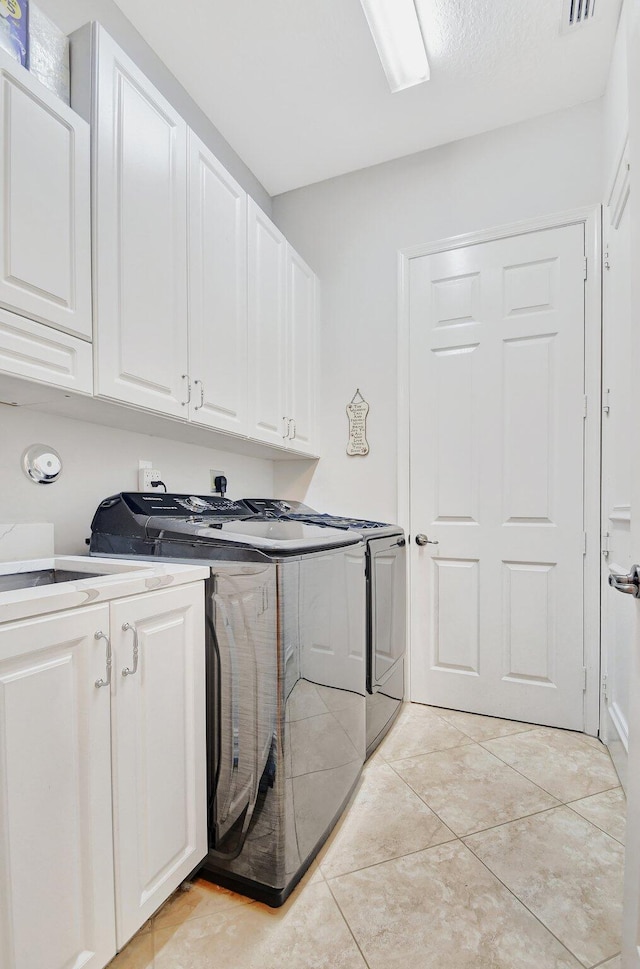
[{"x": 386, "y": 639}]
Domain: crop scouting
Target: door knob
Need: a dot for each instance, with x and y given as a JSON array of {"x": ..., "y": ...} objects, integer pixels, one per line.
[
  {"x": 629, "y": 583},
  {"x": 423, "y": 540}
]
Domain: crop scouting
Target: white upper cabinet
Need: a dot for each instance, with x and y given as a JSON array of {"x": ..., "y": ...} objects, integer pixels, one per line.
[
  {"x": 140, "y": 196},
  {"x": 45, "y": 204},
  {"x": 217, "y": 293},
  {"x": 282, "y": 338},
  {"x": 267, "y": 329},
  {"x": 301, "y": 352},
  {"x": 44, "y": 355}
]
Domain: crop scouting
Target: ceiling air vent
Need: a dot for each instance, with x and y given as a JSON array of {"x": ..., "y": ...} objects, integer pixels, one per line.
[{"x": 577, "y": 12}]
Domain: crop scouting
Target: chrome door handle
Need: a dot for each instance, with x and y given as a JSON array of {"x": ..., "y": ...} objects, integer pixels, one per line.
[
  {"x": 130, "y": 671},
  {"x": 185, "y": 376},
  {"x": 286, "y": 428},
  {"x": 201, "y": 404},
  {"x": 423, "y": 540},
  {"x": 101, "y": 682},
  {"x": 629, "y": 583},
  {"x": 292, "y": 435}
]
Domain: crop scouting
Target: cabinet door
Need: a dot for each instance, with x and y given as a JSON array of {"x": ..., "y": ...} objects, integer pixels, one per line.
[
  {"x": 217, "y": 293},
  {"x": 158, "y": 743},
  {"x": 140, "y": 238},
  {"x": 301, "y": 352},
  {"x": 45, "y": 204},
  {"x": 38, "y": 352},
  {"x": 267, "y": 328},
  {"x": 56, "y": 853}
]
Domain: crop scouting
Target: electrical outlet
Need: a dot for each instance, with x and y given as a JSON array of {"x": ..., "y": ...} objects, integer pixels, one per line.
[
  {"x": 212, "y": 480},
  {"x": 146, "y": 477}
]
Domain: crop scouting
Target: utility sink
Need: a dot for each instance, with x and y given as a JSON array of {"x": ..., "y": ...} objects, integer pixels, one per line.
[{"x": 39, "y": 577}]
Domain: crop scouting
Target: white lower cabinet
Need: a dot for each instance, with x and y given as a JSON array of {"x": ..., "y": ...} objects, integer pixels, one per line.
[
  {"x": 159, "y": 760},
  {"x": 56, "y": 853},
  {"x": 102, "y": 785}
]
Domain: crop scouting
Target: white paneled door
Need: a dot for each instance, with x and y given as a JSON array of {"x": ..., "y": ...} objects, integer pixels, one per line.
[{"x": 497, "y": 468}]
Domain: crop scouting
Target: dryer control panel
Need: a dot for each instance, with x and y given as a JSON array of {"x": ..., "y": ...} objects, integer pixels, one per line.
[{"x": 181, "y": 506}]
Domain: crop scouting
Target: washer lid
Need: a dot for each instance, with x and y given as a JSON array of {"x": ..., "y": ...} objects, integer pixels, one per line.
[
  {"x": 269, "y": 535},
  {"x": 283, "y": 534}
]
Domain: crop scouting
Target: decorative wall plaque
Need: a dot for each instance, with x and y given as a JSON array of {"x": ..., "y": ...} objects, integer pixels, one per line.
[{"x": 357, "y": 411}]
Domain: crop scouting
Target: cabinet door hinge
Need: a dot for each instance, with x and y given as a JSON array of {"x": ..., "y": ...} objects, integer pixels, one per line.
[
  {"x": 606, "y": 263},
  {"x": 584, "y": 543},
  {"x": 586, "y": 267},
  {"x": 606, "y": 548},
  {"x": 606, "y": 403},
  {"x": 585, "y": 406},
  {"x": 605, "y": 687},
  {"x": 584, "y": 679}
]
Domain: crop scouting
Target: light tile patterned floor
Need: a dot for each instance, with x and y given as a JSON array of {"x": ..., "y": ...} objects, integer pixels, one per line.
[{"x": 471, "y": 843}]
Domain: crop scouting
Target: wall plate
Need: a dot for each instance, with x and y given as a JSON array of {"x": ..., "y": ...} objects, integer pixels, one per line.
[{"x": 42, "y": 464}]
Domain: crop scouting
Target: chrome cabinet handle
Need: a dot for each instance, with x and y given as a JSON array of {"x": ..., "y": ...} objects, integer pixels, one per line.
[
  {"x": 423, "y": 540},
  {"x": 185, "y": 376},
  {"x": 201, "y": 404},
  {"x": 285, "y": 431},
  {"x": 127, "y": 671},
  {"x": 100, "y": 635},
  {"x": 629, "y": 583},
  {"x": 292, "y": 435}
]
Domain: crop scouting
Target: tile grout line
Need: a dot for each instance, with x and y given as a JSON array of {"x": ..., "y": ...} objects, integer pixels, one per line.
[
  {"x": 481, "y": 743},
  {"x": 346, "y": 922},
  {"x": 436, "y": 750},
  {"x": 580, "y": 735},
  {"x": 608, "y": 834},
  {"x": 514, "y": 733},
  {"x": 459, "y": 841},
  {"x": 424, "y": 802},
  {"x": 385, "y": 861},
  {"x": 551, "y": 807},
  {"x": 525, "y": 906},
  {"x": 605, "y": 961},
  {"x": 518, "y": 771}
]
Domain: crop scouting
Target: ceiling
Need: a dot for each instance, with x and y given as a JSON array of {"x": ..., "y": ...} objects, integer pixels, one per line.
[{"x": 296, "y": 87}]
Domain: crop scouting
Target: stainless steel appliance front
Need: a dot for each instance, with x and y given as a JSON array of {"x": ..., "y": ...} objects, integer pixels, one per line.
[
  {"x": 386, "y": 634},
  {"x": 286, "y": 694}
]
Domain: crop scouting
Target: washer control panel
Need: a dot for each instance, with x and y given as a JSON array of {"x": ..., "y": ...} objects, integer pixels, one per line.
[{"x": 185, "y": 506}]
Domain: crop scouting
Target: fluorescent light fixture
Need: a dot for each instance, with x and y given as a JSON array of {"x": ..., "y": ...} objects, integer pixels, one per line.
[{"x": 396, "y": 31}]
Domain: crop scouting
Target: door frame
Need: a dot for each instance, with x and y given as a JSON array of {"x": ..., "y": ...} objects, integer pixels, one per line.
[
  {"x": 591, "y": 218},
  {"x": 617, "y": 201}
]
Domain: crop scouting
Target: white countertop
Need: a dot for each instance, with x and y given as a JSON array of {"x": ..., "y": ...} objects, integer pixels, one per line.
[{"x": 123, "y": 577}]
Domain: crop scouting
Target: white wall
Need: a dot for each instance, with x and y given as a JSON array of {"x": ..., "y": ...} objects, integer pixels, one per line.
[
  {"x": 71, "y": 14},
  {"x": 615, "y": 115},
  {"x": 100, "y": 461},
  {"x": 350, "y": 230}
]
